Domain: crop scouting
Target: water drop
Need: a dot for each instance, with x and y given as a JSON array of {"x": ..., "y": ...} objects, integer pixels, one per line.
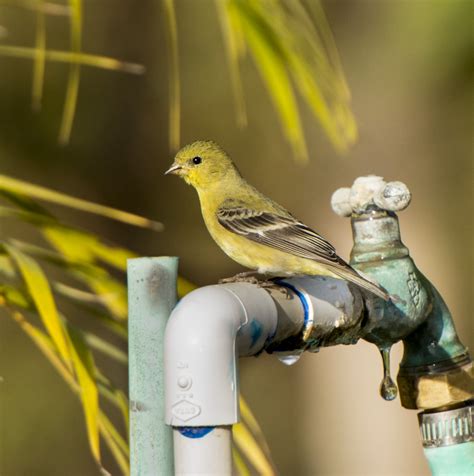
[
  {"x": 289, "y": 358},
  {"x": 388, "y": 389}
]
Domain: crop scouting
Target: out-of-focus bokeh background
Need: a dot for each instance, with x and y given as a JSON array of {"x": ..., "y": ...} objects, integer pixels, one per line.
[{"x": 409, "y": 67}]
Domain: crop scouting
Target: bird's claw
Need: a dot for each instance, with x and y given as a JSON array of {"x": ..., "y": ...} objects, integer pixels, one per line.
[
  {"x": 252, "y": 279},
  {"x": 245, "y": 277}
]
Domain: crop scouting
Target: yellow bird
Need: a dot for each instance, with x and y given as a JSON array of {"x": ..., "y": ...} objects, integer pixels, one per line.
[{"x": 251, "y": 228}]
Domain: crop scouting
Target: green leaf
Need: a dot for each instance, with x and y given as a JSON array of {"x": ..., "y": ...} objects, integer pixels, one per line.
[
  {"x": 84, "y": 246},
  {"x": 82, "y": 299},
  {"x": 48, "y": 8},
  {"x": 185, "y": 286},
  {"x": 112, "y": 293},
  {"x": 39, "y": 62},
  {"x": 112, "y": 438},
  {"x": 14, "y": 297},
  {"x": 248, "y": 446},
  {"x": 292, "y": 39},
  {"x": 115, "y": 443},
  {"x": 7, "y": 268},
  {"x": 26, "y": 216},
  {"x": 118, "y": 399},
  {"x": 72, "y": 90},
  {"x": 270, "y": 61},
  {"x": 249, "y": 419},
  {"x": 40, "y": 291},
  {"x": 235, "y": 47},
  {"x": 96, "y": 61},
  {"x": 41, "y": 193},
  {"x": 239, "y": 463},
  {"x": 106, "y": 348},
  {"x": 174, "y": 81},
  {"x": 46, "y": 346},
  {"x": 249, "y": 439},
  {"x": 85, "y": 370}
]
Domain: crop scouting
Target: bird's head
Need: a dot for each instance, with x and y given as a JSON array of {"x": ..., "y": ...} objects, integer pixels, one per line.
[{"x": 202, "y": 164}]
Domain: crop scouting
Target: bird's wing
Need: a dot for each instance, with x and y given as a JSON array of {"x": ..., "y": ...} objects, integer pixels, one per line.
[{"x": 283, "y": 233}]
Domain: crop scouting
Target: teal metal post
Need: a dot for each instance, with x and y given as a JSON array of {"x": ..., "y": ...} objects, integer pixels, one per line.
[
  {"x": 151, "y": 298},
  {"x": 455, "y": 460}
]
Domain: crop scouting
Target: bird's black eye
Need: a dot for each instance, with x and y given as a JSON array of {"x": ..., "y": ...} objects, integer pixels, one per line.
[{"x": 197, "y": 160}]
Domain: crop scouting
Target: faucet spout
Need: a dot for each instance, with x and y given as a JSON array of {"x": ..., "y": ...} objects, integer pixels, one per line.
[{"x": 436, "y": 369}]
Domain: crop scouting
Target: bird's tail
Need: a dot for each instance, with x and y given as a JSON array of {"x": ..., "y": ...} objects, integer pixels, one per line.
[{"x": 350, "y": 274}]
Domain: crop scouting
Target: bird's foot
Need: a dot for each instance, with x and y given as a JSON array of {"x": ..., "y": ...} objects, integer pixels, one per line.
[
  {"x": 245, "y": 277},
  {"x": 252, "y": 278},
  {"x": 272, "y": 284}
]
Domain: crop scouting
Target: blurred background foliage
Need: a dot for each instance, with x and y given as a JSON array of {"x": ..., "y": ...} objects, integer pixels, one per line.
[{"x": 409, "y": 67}]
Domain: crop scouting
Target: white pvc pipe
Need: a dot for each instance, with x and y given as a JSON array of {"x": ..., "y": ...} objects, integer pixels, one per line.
[
  {"x": 203, "y": 451},
  {"x": 200, "y": 351}
]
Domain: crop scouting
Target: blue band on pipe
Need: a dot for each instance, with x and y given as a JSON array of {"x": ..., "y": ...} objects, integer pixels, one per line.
[
  {"x": 195, "y": 431},
  {"x": 302, "y": 298}
]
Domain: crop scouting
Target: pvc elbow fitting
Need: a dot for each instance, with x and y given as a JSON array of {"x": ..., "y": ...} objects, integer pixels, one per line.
[{"x": 201, "y": 354}]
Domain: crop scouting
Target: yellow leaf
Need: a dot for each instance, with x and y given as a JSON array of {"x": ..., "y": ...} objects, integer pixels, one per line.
[
  {"x": 249, "y": 419},
  {"x": 72, "y": 89},
  {"x": 84, "y": 246},
  {"x": 42, "y": 193},
  {"x": 271, "y": 62},
  {"x": 112, "y": 293},
  {"x": 239, "y": 463},
  {"x": 6, "y": 267},
  {"x": 174, "y": 81},
  {"x": 39, "y": 62},
  {"x": 185, "y": 286},
  {"x": 84, "y": 368},
  {"x": 251, "y": 449},
  {"x": 15, "y": 297},
  {"x": 115, "y": 443},
  {"x": 46, "y": 346},
  {"x": 103, "y": 62},
  {"x": 40, "y": 291},
  {"x": 114, "y": 396},
  {"x": 235, "y": 45}
]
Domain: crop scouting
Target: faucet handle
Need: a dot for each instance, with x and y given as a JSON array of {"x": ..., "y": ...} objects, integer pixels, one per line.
[{"x": 369, "y": 192}]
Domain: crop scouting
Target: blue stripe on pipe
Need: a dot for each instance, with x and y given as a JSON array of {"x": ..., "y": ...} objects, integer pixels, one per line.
[
  {"x": 302, "y": 298},
  {"x": 195, "y": 431},
  {"x": 255, "y": 332}
]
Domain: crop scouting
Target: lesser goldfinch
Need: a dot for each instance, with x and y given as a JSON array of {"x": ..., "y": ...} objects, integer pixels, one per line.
[{"x": 252, "y": 229}]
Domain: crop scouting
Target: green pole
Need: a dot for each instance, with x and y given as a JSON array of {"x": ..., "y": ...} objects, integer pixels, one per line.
[
  {"x": 453, "y": 460},
  {"x": 151, "y": 298}
]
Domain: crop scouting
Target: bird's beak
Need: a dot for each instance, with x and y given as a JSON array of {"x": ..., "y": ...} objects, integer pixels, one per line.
[{"x": 174, "y": 169}]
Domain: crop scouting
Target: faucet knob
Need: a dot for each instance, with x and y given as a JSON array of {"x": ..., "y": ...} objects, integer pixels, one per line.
[{"x": 369, "y": 193}]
